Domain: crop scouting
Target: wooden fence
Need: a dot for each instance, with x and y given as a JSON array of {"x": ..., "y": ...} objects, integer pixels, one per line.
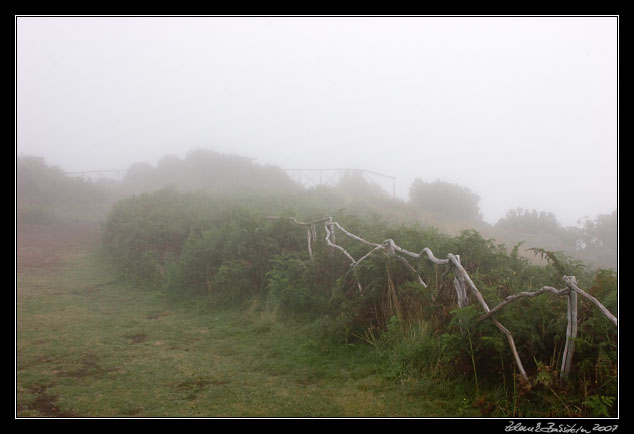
[{"x": 462, "y": 283}]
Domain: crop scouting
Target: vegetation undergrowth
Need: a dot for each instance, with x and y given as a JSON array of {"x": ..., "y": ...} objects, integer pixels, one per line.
[
  {"x": 90, "y": 345},
  {"x": 224, "y": 253}
]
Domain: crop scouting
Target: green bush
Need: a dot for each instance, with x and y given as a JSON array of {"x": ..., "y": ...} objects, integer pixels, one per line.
[
  {"x": 292, "y": 288},
  {"x": 445, "y": 199},
  {"x": 46, "y": 195},
  {"x": 225, "y": 249}
]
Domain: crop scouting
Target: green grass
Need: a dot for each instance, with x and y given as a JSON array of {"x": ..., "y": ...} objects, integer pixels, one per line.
[{"x": 89, "y": 345}]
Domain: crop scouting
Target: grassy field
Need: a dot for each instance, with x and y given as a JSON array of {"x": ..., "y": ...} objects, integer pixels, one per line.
[{"x": 90, "y": 345}]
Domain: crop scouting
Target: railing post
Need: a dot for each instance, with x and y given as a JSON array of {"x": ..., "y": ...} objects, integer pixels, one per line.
[
  {"x": 571, "y": 333},
  {"x": 459, "y": 285}
]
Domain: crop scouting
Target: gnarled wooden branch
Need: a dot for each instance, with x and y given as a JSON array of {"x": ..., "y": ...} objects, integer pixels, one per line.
[
  {"x": 353, "y": 236},
  {"x": 364, "y": 257},
  {"x": 426, "y": 250},
  {"x": 572, "y": 284},
  {"x": 431, "y": 256},
  {"x": 329, "y": 234},
  {"x": 387, "y": 245},
  {"x": 519, "y": 295},
  {"x": 509, "y": 337},
  {"x": 412, "y": 269}
]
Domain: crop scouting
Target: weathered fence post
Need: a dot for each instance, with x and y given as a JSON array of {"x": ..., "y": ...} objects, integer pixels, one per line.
[
  {"x": 309, "y": 234},
  {"x": 571, "y": 332},
  {"x": 331, "y": 228},
  {"x": 330, "y": 236},
  {"x": 459, "y": 284}
]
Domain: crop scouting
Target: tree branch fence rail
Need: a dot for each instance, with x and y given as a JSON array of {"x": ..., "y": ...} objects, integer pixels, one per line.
[{"x": 462, "y": 282}]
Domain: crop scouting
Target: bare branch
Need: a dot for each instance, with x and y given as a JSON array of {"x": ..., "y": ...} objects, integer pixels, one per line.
[
  {"x": 401, "y": 250},
  {"x": 353, "y": 236},
  {"x": 572, "y": 284},
  {"x": 412, "y": 269},
  {"x": 456, "y": 262},
  {"x": 379, "y": 247},
  {"x": 516, "y": 356},
  {"x": 432, "y": 257},
  {"x": 336, "y": 246},
  {"x": 519, "y": 295}
]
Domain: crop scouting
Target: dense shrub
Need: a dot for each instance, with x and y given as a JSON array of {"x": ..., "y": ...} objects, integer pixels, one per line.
[
  {"x": 292, "y": 286},
  {"x": 45, "y": 194},
  {"x": 195, "y": 245},
  {"x": 530, "y": 221},
  {"x": 209, "y": 171},
  {"x": 445, "y": 199}
]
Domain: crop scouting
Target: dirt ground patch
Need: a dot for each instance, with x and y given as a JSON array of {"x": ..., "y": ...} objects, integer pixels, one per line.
[
  {"x": 44, "y": 403},
  {"x": 138, "y": 338},
  {"x": 49, "y": 245}
]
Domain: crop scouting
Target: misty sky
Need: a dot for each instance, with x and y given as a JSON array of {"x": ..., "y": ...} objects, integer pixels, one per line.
[{"x": 521, "y": 110}]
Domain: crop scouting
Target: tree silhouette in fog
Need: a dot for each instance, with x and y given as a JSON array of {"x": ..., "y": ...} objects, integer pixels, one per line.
[{"x": 442, "y": 198}]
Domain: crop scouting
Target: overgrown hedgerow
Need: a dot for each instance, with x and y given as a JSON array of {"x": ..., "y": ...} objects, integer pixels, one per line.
[{"x": 195, "y": 245}]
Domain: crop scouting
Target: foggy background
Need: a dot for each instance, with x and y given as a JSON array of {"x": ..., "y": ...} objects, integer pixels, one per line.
[{"x": 521, "y": 110}]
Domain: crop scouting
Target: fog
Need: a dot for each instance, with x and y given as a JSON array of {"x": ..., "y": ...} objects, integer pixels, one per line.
[{"x": 521, "y": 110}]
